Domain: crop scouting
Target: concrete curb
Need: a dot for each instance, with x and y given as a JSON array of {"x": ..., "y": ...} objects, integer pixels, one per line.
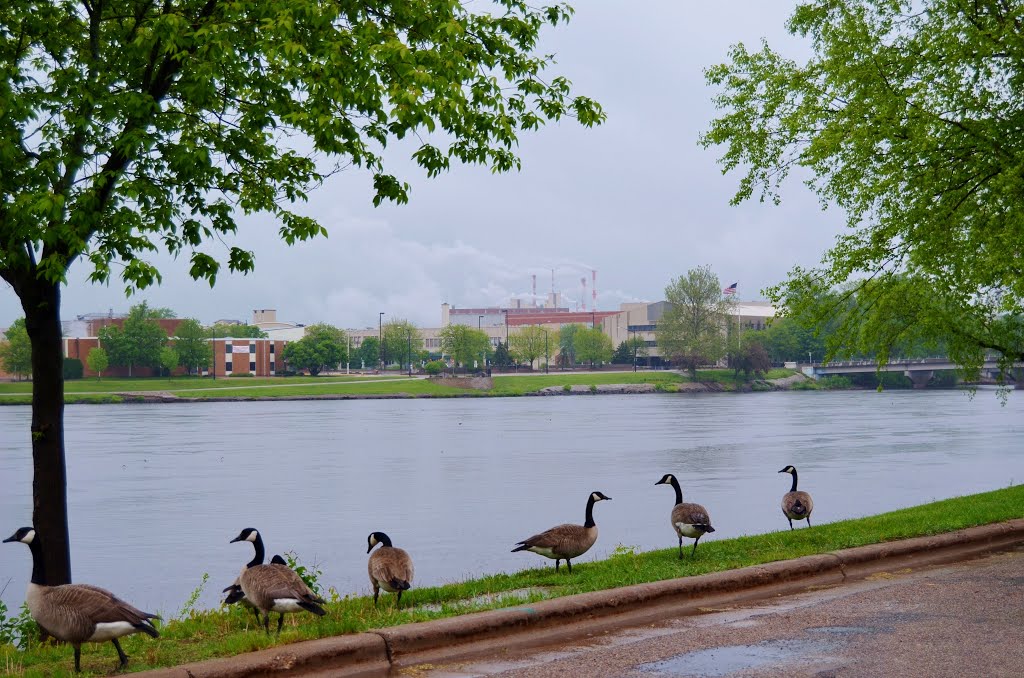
[{"x": 550, "y": 621}]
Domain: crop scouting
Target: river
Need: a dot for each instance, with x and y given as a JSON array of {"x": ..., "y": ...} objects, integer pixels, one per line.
[{"x": 157, "y": 491}]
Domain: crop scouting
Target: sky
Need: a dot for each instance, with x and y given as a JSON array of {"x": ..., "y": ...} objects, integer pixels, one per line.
[{"x": 636, "y": 199}]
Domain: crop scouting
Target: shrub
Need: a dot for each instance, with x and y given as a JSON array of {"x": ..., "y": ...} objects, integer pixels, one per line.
[
  {"x": 943, "y": 379},
  {"x": 73, "y": 368},
  {"x": 834, "y": 382},
  {"x": 18, "y": 630},
  {"x": 434, "y": 367},
  {"x": 593, "y": 388},
  {"x": 310, "y": 574},
  {"x": 567, "y": 388},
  {"x": 883, "y": 380}
]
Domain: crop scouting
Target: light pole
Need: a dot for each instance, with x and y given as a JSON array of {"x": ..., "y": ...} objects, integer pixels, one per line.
[
  {"x": 809, "y": 361},
  {"x": 348, "y": 356},
  {"x": 479, "y": 327},
  {"x": 505, "y": 366},
  {"x": 380, "y": 340},
  {"x": 409, "y": 330},
  {"x": 593, "y": 320},
  {"x": 634, "y": 349},
  {"x": 546, "y": 359}
]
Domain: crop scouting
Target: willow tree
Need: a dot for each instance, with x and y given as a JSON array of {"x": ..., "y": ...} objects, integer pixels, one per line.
[
  {"x": 908, "y": 117},
  {"x": 134, "y": 126}
]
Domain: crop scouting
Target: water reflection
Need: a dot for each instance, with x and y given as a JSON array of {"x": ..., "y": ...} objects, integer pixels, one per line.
[{"x": 156, "y": 491}]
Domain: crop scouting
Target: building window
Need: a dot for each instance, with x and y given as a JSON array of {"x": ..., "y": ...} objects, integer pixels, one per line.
[
  {"x": 252, "y": 348},
  {"x": 271, "y": 348},
  {"x": 227, "y": 349},
  {"x": 252, "y": 366},
  {"x": 227, "y": 367}
]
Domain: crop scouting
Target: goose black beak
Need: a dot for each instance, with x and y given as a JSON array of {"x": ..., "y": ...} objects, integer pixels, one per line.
[
  {"x": 13, "y": 537},
  {"x": 369, "y": 548},
  {"x": 235, "y": 539},
  {"x": 782, "y": 471}
]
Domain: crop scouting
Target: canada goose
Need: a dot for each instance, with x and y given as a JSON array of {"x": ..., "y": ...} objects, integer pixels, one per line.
[
  {"x": 274, "y": 587},
  {"x": 79, "y": 613},
  {"x": 688, "y": 520},
  {"x": 796, "y": 505},
  {"x": 565, "y": 541},
  {"x": 389, "y": 568},
  {"x": 235, "y": 594}
]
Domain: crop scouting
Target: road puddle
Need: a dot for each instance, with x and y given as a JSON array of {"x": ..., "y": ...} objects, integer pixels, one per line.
[{"x": 721, "y": 661}]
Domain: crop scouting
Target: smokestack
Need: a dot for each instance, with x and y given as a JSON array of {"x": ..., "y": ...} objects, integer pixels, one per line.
[
  {"x": 583, "y": 297},
  {"x": 593, "y": 287}
]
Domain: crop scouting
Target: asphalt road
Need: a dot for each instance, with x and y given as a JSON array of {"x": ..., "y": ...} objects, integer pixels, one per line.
[{"x": 965, "y": 619}]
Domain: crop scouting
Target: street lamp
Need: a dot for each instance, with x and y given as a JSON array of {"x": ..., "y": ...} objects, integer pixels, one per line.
[
  {"x": 505, "y": 366},
  {"x": 634, "y": 349},
  {"x": 380, "y": 340},
  {"x": 546, "y": 359},
  {"x": 409, "y": 330},
  {"x": 479, "y": 327},
  {"x": 809, "y": 361},
  {"x": 593, "y": 320}
]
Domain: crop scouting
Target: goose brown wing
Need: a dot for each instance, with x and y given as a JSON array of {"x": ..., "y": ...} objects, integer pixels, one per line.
[
  {"x": 267, "y": 582},
  {"x": 557, "y": 537},
  {"x": 797, "y": 503},
  {"x": 388, "y": 564},
  {"x": 690, "y": 514},
  {"x": 95, "y": 604}
]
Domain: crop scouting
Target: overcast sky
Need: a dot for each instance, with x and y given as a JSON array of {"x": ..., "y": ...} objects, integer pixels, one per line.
[{"x": 636, "y": 198}]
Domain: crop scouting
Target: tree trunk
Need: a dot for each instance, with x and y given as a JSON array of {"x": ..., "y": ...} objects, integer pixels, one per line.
[{"x": 41, "y": 303}]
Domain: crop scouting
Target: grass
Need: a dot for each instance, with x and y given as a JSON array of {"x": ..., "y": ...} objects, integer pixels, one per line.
[
  {"x": 513, "y": 386},
  {"x": 173, "y": 384},
  {"x": 204, "y": 634},
  {"x": 196, "y": 387}
]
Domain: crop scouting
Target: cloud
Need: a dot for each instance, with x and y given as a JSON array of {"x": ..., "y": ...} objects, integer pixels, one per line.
[{"x": 636, "y": 199}]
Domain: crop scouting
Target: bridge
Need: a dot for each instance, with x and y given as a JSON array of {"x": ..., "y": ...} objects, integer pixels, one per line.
[{"x": 919, "y": 370}]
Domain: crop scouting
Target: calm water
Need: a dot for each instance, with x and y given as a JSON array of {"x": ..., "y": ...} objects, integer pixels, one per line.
[{"x": 157, "y": 491}]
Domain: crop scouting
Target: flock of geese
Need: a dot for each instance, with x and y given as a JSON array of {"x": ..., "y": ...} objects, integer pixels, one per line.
[{"x": 81, "y": 613}]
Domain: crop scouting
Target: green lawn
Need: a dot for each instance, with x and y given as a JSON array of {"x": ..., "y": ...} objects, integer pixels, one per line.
[
  {"x": 514, "y": 385},
  {"x": 105, "y": 390},
  {"x": 199, "y": 635},
  {"x": 408, "y": 386}
]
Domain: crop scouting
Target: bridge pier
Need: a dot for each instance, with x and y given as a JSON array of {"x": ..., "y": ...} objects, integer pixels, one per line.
[{"x": 920, "y": 378}]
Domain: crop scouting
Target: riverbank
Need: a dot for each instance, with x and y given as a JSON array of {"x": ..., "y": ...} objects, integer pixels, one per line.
[
  {"x": 237, "y": 389},
  {"x": 194, "y": 635}
]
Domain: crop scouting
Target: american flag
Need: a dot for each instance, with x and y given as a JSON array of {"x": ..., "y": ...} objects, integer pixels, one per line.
[{"x": 731, "y": 289}]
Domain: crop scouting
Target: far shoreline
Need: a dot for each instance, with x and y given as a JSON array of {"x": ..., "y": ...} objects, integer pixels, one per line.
[{"x": 657, "y": 382}]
